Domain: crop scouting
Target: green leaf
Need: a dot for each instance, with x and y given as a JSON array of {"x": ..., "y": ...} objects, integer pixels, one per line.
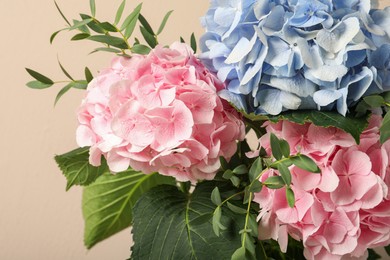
[
  {"x": 305, "y": 163},
  {"x": 275, "y": 147},
  {"x": 79, "y": 84},
  {"x": 374, "y": 101},
  {"x": 167, "y": 232},
  {"x": 78, "y": 24},
  {"x": 256, "y": 169},
  {"x": 62, "y": 92},
  {"x": 111, "y": 50},
  {"x": 92, "y": 6},
  {"x": 216, "y": 197},
  {"x": 110, "y": 40},
  {"x": 253, "y": 225},
  {"x": 385, "y": 128},
  {"x": 352, "y": 125},
  {"x": 228, "y": 174},
  {"x": 372, "y": 255},
  {"x": 94, "y": 25},
  {"x": 284, "y": 173},
  {"x": 149, "y": 38},
  {"x": 130, "y": 21},
  {"x": 76, "y": 168},
  {"x": 255, "y": 187},
  {"x": 108, "y": 27},
  {"x": 63, "y": 16},
  {"x": 235, "y": 181},
  {"x": 274, "y": 182},
  {"x": 182, "y": 40},
  {"x": 193, "y": 43},
  {"x": 239, "y": 254},
  {"x": 216, "y": 221},
  {"x": 145, "y": 24},
  {"x": 164, "y": 22},
  {"x": 38, "y": 85},
  {"x": 88, "y": 74},
  {"x": 119, "y": 12},
  {"x": 285, "y": 148},
  {"x": 387, "y": 248},
  {"x": 80, "y": 36},
  {"x": 39, "y": 77},
  {"x": 290, "y": 197},
  {"x": 140, "y": 49},
  {"x": 236, "y": 209},
  {"x": 108, "y": 202},
  {"x": 240, "y": 169},
  {"x": 64, "y": 70},
  {"x": 54, "y": 35}
]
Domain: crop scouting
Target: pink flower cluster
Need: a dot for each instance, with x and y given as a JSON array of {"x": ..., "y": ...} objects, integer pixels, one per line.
[
  {"x": 159, "y": 112},
  {"x": 341, "y": 212}
]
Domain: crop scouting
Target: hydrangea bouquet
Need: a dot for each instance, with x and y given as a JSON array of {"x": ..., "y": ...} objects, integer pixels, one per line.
[{"x": 162, "y": 132}]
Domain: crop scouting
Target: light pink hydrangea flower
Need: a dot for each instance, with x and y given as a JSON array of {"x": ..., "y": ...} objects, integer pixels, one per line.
[
  {"x": 159, "y": 112},
  {"x": 341, "y": 212}
]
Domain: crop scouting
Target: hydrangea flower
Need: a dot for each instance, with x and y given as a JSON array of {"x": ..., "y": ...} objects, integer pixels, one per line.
[
  {"x": 278, "y": 55},
  {"x": 159, "y": 112},
  {"x": 340, "y": 212}
]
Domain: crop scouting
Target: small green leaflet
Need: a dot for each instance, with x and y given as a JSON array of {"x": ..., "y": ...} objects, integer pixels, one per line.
[
  {"x": 306, "y": 163},
  {"x": 164, "y": 22},
  {"x": 385, "y": 128},
  {"x": 39, "y": 77},
  {"x": 119, "y": 12}
]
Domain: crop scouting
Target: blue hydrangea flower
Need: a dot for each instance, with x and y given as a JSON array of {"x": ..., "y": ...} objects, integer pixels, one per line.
[{"x": 278, "y": 55}]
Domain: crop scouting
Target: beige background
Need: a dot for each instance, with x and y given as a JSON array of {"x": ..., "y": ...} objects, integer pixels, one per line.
[{"x": 38, "y": 219}]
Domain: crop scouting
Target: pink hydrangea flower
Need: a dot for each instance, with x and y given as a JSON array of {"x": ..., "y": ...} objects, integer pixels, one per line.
[
  {"x": 342, "y": 211},
  {"x": 159, "y": 112}
]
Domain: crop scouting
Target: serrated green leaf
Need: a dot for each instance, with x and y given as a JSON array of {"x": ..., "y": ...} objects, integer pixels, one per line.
[
  {"x": 274, "y": 182},
  {"x": 63, "y": 16},
  {"x": 374, "y": 101},
  {"x": 140, "y": 49},
  {"x": 88, "y": 75},
  {"x": 62, "y": 92},
  {"x": 255, "y": 187},
  {"x": 284, "y": 173},
  {"x": 64, "y": 70},
  {"x": 78, "y": 24},
  {"x": 275, "y": 147},
  {"x": 216, "y": 197},
  {"x": 385, "y": 128},
  {"x": 256, "y": 169},
  {"x": 110, "y": 40},
  {"x": 290, "y": 197},
  {"x": 145, "y": 24},
  {"x": 240, "y": 169},
  {"x": 119, "y": 12},
  {"x": 76, "y": 168},
  {"x": 80, "y": 36},
  {"x": 108, "y": 202},
  {"x": 38, "y": 85},
  {"x": 149, "y": 38},
  {"x": 236, "y": 209},
  {"x": 164, "y": 22},
  {"x": 108, "y": 27},
  {"x": 239, "y": 254},
  {"x": 167, "y": 232},
  {"x": 39, "y": 77},
  {"x": 92, "y": 6},
  {"x": 306, "y": 163},
  {"x": 193, "y": 43},
  {"x": 130, "y": 22},
  {"x": 349, "y": 123}
]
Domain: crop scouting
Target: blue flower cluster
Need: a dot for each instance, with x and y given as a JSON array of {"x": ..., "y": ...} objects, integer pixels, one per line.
[{"x": 278, "y": 55}]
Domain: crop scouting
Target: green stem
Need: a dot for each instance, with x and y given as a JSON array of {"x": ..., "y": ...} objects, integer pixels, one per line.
[
  {"x": 234, "y": 195},
  {"x": 247, "y": 219}
]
